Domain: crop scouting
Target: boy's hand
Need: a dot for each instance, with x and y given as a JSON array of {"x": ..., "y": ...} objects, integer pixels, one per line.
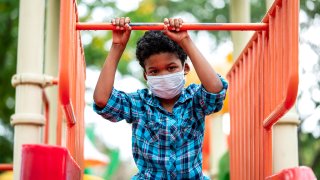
[
  {"x": 175, "y": 34},
  {"x": 122, "y": 33}
]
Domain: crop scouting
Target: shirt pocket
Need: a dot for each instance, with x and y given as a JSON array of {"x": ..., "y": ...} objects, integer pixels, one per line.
[
  {"x": 189, "y": 131},
  {"x": 151, "y": 132}
]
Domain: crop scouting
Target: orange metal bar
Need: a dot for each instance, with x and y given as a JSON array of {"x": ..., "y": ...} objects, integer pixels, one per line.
[
  {"x": 46, "y": 114},
  {"x": 263, "y": 87},
  {"x": 292, "y": 69},
  {"x": 66, "y": 54},
  {"x": 6, "y": 167},
  {"x": 186, "y": 26},
  {"x": 71, "y": 82}
]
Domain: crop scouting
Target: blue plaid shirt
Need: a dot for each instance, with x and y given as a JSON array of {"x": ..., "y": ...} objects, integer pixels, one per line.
[{"x": 165, "y": 145}]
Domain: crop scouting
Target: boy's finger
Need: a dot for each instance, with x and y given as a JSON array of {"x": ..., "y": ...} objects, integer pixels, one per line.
[
  {"x": 121, "y": 23},
  {"x": 180, "y": 22},
  {"x": 127, "y": 20},
  {"x": 171, "y": 22},
  {"x": 117, "y": 21},
  {"x": 127, "y": 26},
  {"x": 165, "y": 28},
  {"x": 176, "y": 23},
  {"x": 166, "y": 21},
  {"x": 113, "y": 21},
  {"x": 169, "y": 33}
]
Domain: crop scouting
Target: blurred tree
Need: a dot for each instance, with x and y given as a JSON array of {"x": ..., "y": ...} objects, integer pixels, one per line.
[
  {"x": 155, "y": 11},
  {"x": 309, "y": 142},
  {"x": 8, "y": 55}
]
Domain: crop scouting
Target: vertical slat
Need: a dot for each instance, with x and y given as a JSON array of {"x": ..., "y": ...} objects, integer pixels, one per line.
[
  {"x": 285, "y": 43},
  {"x": 289, "y": 36},
  {"x": 253, "y": 111},
  {"x": 244, "y": 117},
  {"x": 247, "y": 113},
  {"x": 277, "y": 63},
  {"x": 232, "y": 131},
  {"x": 265, "y": 105},
  {"x": 241, "y": 123},
  {"x": 295, "y": 39},
  {"x": 281, "y": 51},
  {"x": 271, "y": 68},
  {"x": 271, "y": 98},
  {"x": 237, "y": 121},
  {"x": 272, "y": 62},
  {"x": 258, "y": 106}
]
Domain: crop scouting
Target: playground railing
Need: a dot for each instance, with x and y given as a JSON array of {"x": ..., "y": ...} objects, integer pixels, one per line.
[{"x": 263, "y": 87}]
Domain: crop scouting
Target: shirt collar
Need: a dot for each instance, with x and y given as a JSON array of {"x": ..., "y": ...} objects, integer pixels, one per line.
[{"x": 150, "y": 99}]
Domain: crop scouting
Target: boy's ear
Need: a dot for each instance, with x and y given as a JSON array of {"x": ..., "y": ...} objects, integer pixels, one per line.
[
  {"x": 186, "y": 68},
  {"x": 144, "y": 75}
]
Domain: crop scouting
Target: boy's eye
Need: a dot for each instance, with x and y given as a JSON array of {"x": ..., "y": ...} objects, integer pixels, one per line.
[
  {"x": 153, "y": 72},
  {"x": 172, "y": 68}
]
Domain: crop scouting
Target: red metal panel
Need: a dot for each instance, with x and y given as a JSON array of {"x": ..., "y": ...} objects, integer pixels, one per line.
[
  {"x": 48, "y": 162},
  {"x": 71, "y": 80},
  {"x": 263, "y": 87}
]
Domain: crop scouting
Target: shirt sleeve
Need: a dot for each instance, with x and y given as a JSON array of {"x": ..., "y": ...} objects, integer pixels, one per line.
[
  {"x": 118, "y": 107},
  {"x": 211, "y": 102}
]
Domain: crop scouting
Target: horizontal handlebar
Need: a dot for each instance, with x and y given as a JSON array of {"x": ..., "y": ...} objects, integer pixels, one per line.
[{"x": 185, "y": 26}]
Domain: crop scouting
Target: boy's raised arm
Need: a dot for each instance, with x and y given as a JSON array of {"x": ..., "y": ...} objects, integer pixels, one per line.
[
  {"x": 208, "y": 77},
  {"x": 105, "y": 82}
]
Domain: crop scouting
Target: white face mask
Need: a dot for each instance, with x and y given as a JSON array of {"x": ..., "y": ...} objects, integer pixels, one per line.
[{"x": 166, "y": 86}]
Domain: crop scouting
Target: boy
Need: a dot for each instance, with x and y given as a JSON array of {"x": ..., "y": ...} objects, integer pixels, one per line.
[{"x": 167, "y": 119}]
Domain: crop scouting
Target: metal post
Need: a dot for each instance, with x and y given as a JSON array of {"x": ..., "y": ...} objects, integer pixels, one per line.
[
  {"x": 239, "y": 12},
  {"x": 28, "y": 119},
  {"x": 51, "y": 62},
  {"x": 285, "y": 142}
]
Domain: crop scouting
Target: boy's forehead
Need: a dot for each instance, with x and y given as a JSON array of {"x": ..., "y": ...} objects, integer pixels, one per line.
[{"x": 162, "y": 59}]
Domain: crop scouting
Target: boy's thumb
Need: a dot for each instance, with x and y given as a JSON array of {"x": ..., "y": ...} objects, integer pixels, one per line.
[{"x": 165, "y": 29}]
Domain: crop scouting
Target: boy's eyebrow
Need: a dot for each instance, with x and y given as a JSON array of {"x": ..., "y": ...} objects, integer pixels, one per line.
[
  {"x": 172, "y": 63},
  {"x": 151, "y": 68}
]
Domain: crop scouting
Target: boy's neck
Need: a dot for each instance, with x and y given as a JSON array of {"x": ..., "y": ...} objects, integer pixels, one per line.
[{"x": 168, "y": 104}]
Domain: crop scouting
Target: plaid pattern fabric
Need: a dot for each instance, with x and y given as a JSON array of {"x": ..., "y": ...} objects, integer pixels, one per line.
[{"x": 165, "y": 145}]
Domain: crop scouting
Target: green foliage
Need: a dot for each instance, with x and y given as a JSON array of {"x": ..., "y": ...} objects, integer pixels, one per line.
[
  {"x": 156, "y": 11},
  {"x": 224, "y": 167},
  {"x": 311, "y": 7},
  {"x": 8, "y": 57},
  {"x": 309, "y": 146},
  {"x": 114, "y": 164},
  {"x": 309, "y": 152}
]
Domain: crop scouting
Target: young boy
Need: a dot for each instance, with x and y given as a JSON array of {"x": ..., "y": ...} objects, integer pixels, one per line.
[{"x": 167, "y": 119}]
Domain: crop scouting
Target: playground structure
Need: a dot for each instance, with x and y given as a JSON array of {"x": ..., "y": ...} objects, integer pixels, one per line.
[{"x": 263, "y": 87}]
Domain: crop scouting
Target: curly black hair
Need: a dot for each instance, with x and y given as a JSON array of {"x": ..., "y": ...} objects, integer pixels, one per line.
[{"x": 155, "y": 42}]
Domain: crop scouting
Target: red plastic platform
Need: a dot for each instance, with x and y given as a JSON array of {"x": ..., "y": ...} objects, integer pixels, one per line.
[
  {"x": 297, "y": 173},
  {"x": 41, "y": 162}
]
